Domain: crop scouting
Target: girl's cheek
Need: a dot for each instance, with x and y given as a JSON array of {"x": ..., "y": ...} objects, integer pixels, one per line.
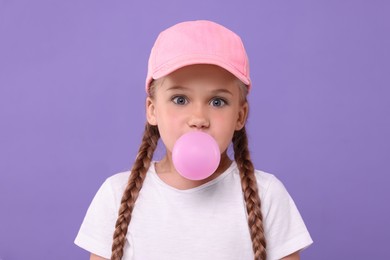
[{"x": 221, "y": 117}]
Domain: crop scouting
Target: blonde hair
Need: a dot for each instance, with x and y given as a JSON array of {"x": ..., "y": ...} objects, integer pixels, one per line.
[{"x": 141, "y": 166}]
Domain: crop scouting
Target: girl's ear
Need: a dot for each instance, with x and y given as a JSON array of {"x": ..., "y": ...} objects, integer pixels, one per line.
[
  {"x": 242, "y": 116},
  {"x": 150, "y": 111}
]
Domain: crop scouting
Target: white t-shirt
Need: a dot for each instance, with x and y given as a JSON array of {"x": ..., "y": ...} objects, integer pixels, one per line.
[{"x": 208, "y": 222}]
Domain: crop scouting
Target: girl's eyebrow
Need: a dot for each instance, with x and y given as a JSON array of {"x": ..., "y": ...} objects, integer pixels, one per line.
[
  {"x": 176, "y": 87},
  {"x": 222, "y": 90},
  {"x": 214, "y": 92}
]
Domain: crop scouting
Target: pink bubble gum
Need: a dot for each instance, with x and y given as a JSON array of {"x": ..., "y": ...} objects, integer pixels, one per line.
[{"x": 196, "y": 155}]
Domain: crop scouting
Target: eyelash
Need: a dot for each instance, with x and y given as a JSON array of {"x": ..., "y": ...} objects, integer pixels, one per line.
[
  {"x": 174, "y": 100},
  {"x": 224, "y": 102}
]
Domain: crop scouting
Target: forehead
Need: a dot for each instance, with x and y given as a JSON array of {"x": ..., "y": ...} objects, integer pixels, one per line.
[{"x": 200, "y": 73}]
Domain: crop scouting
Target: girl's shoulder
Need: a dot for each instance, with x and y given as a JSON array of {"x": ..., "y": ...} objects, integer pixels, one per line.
[
  {"x": 264, "y": 178},
  {"x": 269, "y": 185},
  {"x": 118, "y": 179},
  {"x": 114, "y": 186}
]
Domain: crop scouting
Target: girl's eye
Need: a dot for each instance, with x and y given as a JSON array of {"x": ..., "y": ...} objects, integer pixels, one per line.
[
  {"x": 218, "y": 102},
  {"x": 180, "y": 100}
]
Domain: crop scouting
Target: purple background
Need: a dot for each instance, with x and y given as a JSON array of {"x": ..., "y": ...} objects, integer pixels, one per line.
[{"x": 72, "y": 112}]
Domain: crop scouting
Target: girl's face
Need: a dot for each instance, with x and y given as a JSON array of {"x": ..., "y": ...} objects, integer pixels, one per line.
[{"x": 197, "y": 98}]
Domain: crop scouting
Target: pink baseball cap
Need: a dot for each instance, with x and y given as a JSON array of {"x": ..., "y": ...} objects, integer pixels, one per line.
[{"x": 197, "y": 42}]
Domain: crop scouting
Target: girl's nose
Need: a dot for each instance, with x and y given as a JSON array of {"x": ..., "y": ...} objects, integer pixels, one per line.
[{"x": 199, "y": 119}]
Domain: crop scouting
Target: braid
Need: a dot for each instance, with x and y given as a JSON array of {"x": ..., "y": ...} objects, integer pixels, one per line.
[
  {"x": 136, "y": 179},
  {"x": 250, "y": 191}
]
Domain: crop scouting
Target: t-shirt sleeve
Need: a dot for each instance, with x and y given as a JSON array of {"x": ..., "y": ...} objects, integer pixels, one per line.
[
  {"x": 97, "y": 229},
  {"x": 285, "y": 231}
]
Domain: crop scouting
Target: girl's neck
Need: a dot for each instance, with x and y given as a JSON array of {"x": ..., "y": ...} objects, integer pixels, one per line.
[{"x": 168, "y": 174}]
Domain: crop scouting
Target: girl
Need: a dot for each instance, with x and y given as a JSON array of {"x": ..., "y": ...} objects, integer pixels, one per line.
[{"x": 198, "y": 80}]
